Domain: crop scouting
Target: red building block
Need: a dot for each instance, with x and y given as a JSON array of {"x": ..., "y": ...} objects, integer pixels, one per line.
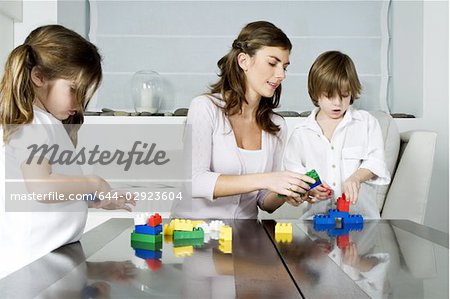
[
  {"x": 342, "y": 204},
  {"x": 154, "y": 265},
  {"x": 343, "y": 241},
  {"x": 154, "y": 220}
]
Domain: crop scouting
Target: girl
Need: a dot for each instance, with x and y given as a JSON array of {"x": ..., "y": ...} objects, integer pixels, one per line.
[
  {"x": 237, "y": 138},
  {"x": 47, "y": 82}
]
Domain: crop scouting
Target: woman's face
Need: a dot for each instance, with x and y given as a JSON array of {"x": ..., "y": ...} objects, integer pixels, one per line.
[{"x": 264, "y": 71}]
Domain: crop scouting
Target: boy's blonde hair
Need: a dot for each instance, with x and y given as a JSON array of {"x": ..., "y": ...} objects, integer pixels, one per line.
[
  {"x": 333, "y": 73},
  {"x": 58, "y": 53}
]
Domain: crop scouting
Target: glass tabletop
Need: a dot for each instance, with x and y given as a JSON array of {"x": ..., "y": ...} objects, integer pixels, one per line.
[
  {"x": 105, "y": 265},
  {"x": 381, "y": 259}
]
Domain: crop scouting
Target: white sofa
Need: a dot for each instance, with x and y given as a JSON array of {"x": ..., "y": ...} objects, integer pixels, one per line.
[{"x": 409, "y": 157}]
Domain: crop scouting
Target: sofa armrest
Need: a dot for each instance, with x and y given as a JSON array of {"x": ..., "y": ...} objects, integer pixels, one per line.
[{"x": 408, "y": 193}]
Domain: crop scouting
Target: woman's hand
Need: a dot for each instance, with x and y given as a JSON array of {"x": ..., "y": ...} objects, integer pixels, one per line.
[{"x": 288, "y": 183}]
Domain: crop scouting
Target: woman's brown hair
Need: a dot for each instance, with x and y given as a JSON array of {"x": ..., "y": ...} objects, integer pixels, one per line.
[
  {"x": 58, "y": 53},
  {"x": 232, "y": 82}
]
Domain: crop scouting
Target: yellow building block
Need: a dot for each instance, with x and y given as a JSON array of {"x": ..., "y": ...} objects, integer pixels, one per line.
[
  {"x": 197, "y": 222},
  {"x": 183, "y": 251},
  {"x": 226, "y": 233},
  {"x": 168, "y": 229},
  {"x": 225, "y": 246},
  {"x": 283, "y": 228},
  {"x": 182, "y": 224},
  {"x": 283, "y": 238}
]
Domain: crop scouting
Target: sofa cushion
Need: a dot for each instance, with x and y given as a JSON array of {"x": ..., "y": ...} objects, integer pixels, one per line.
[{"x": 391, "y": 140}]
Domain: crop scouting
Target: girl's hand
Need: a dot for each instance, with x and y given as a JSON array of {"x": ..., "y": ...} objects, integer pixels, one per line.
[
  {"x": 115, "y": 200},
  {"x": 351, "y": 189},
  {"x": 287, "y": 183}
]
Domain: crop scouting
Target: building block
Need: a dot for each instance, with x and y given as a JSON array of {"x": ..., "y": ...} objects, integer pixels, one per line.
[
  {"x": 146, "y": 238},
  {"x": 353, "y": 219},
  {"x": 147, "y": 254},
  {"x": 188, "y": 242},
  {"x": 314, "y": 175},
  {"x": 140, "y": 219},
  {"x": 226, "y": 246},
  {"x": 146, "y": 245},
  {"x": 154, "y": 220},
  {"x": 182, "y": 224},
  {"x": 283, "y": 228},
  {"x": 324, "y": 220},
  {"x": 168, "y": 229},
  {"x": 342, "y": 204},
  {"x": 197, "y": 222},
  {"x": 283, "y": 238},
  {"x": 196, "y": 233},
  {"x": 226, "y": 232},
  {"x": 154, "y": 264},
  {"x": 183, "y": 251},
  {"x": 148, "y": 230},
  {"x": 205, "y": 227},
  {"x": 215, "y": 225},
  {"x": 333, "y": 213},
  {"x": 343, "y": 241}
]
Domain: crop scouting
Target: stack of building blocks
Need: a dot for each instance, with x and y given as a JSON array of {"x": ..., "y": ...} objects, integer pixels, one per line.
[
  {"x": 283, "y": 232},
  {"x": 348, "y": 222},
  {"x": 184, "y": 233},
  {"x": 146, "y": 240}
]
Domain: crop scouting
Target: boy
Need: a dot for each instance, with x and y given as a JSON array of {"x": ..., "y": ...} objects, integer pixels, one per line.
[{"x": 343, "y": 144}]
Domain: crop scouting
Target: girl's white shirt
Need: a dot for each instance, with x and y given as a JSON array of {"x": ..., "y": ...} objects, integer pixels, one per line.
[
  {"x": 357, "y": 142},
  {"x": 28, "y": 235},
  {"x": 215, "y": 152}
]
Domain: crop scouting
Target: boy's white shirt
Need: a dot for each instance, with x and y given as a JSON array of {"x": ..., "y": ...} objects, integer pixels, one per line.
[{"x": 356, "y": 143}]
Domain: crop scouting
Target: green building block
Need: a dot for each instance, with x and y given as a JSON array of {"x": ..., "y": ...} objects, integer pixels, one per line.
[
  {"x": 197, "y": 243},
  {"x": 312, "y": 174},
  {"x": 196, "y": 233},
  {"x": 146, "y": 245},
  {"x": 146, "y": 238}
]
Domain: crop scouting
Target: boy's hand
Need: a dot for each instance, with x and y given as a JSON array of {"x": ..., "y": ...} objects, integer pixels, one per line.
[
  {"x": 321, "y": 192},
  {"x": 351, "y": 189}
]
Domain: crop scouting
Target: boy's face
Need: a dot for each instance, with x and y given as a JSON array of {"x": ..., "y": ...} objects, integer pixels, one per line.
[{"x": 334, "y": 107}]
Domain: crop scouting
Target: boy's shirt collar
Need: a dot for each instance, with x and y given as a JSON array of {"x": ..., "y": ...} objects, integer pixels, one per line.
[{"x": 311, "y": 123}]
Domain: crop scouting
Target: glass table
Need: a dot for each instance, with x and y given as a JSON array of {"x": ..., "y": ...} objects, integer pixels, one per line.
[{"x": 386, "y": 259}]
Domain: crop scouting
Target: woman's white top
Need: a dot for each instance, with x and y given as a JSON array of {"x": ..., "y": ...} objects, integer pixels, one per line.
[
  {"x": 28, "y": 235},
  {"x": 215, "y": 152},
  {"x": 357, "y": 142}
]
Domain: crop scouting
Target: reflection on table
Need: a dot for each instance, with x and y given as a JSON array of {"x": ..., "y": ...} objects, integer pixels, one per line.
[{"x": 380, "y": 260}]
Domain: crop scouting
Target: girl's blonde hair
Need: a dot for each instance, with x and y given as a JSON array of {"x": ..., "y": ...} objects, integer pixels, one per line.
[
  {"x": 232, "y": 83},
  {"x": 332, "y": 73},
  {"x": 58, "y": 53}
]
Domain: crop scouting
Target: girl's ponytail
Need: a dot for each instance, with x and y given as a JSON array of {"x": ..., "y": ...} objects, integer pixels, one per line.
[{"x": 16, "y": 91}]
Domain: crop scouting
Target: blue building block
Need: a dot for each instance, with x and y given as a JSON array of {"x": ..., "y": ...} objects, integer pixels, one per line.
[
  {"x": 317, "y": 183},
  {"x": 148, "y": 230},
  {"x": 353, "y": 219},
  {"x": 324, "y": 220},
  {"x": 337, "y": 214},
  {"x": 148, "y": 254}
]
